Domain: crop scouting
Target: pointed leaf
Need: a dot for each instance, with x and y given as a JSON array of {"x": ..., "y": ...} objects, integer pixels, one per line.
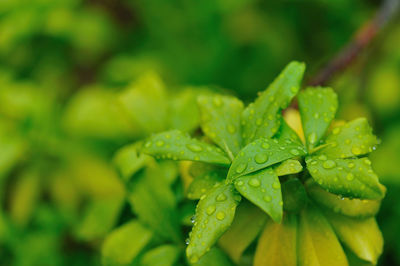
[
  {"x": 202, "y": 184},
  {"x": 352, "y": 139},
  {"x": 350, "y": 207},
  {"x": 165, "y": 255},
  {"x": 277, "y": 244},
  {"x": 264, "y": 190},
  {"x": 318, "y": 245},
  {"x": 362, "y": 236},
  {"x": 317, "y": 108},
  {"x": 347, "y": 177},
  {"x": 123, "y": 244},
  {"x": 176, "y": 145},
  {"x": 220, "y": 121},
  {"x": 288, "y": 167},
  {"x": 214, "y": 214},
  {"x": 249, "y": 221},
  {"x": 262, "y": 118},
  {"x": 261, "y": 154}
]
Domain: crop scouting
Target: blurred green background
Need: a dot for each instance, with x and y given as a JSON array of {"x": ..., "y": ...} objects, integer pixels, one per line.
[{"x": 65, "y": 65}]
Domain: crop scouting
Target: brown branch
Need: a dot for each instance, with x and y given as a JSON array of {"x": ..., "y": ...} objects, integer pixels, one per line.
[{"x": 360, "y": 41}]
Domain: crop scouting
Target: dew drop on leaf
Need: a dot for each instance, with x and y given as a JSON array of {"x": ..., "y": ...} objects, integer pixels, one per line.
[
  {"x": 220, "y": 215},
  {"x": 254, "y": 182},
  {"x": 329, "y": 164},
  {"x": 261, "y": 158}
]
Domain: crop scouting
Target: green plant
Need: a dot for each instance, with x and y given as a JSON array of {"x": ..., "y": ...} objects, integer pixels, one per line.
[{"x": 317, "y": 192}]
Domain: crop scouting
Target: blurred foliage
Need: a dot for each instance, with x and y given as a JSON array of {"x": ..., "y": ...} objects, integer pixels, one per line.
[{"x": 75, "y": 75}]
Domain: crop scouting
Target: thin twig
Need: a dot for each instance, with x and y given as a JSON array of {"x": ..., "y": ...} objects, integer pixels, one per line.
[{"x": 361, "y": 40}]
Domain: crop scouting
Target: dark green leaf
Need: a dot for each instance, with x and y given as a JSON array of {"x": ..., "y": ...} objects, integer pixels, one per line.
[
  {"x": 352, "y": 139},
  {"x": 165, "y": 255},
  {"x": 220, "y": 121},
  {"x": 317, "y": 108},
  {"x": 214, "y": 214},
  {"x": 319, "y": 245},
  {"x": 124, "y": 243},
  {"x": 264, "y": 190},
  {"x": 176, "y": 145},
  {"x": 277, "y": 244},
  {"x": 362, "y": 236},
  {"x": 202, "y": 184},
  {"x": 262, "y": 153},
  {"x": 346, "y": 177},
  {"x": 249, "y": 220},
  {"x": 350, "y": 207},
  {"x": 261, "y": 119},
  {"x": 294, "y": 196}
]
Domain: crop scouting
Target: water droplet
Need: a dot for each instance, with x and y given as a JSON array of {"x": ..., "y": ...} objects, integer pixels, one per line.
[
  {"x": 294, "y": 89},
  {"x": 187, "y": 241},
  {"x": 194, "y": 259},
  {"x": 220, "y": 215},
  {"x": 261, "y": 158},
  {"x": 356, "y": 150},
  {"x": 276, "y": 185},
  {"x": 265, "y": 145},
  {"x": 210, "y": 209},
  {"x": 350, "y": 176},
  {"x": 217, "y": 101},
  {"x": 194, "y": 147},
  {"x": 336, "y": 131},
  {"x": 221, "y": 197},
  {"x": 239, "y": 183},
  {"x": 312, "y": 138},
  {"x": 316, "y": 115},
  {"x": 160, "y": 143},
  {"x": 241, "y": 167},
  {"x": 351, "y": 165},
  {"x": 267, "y": 198},
  {"x": 193, "y": 219},
  {"x": 231, "y": 129},
  {"x": 254, "y": 182},
  {"x": 329, "y": 164},
  {"x": 367, "y": 161},
  {"x": 322, "y": 157},
  {"x": 148, "y": 144},
  {"x": 294, "y": 152}
]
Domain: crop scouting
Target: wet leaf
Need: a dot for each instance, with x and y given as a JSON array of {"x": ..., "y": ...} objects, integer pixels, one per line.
[
  {"x": 361, "y": 236},
  {"x": 286, "y": 132},
  {"x": 202, "y": 184},
  {"x": 220, "y": 121},
  {"x": 288, "y": 167},
  {"x": 128, "y": 161},
  {"x": 215, "y": 257},
  {"x": 264, "y": 190},
  {"x": 261, "y": 119},
  {"x": 352, "y": 139},
  {"x": 249, "y": 221},
  {"x": 165, "y": 255},
  {"x": 319, "y": 245},
  {"x": 346, "y": 177},
  {"x": 176, "y": 145},
  {"x": 214, "y": 214},
  {"x": 317, "y": 108},
  {"x": 294, "y": 196},
  {"x": 120, "y": 249},
  {"x": 277, "y": 244},
  {"x": 263, "y": 153},
  {"x": 350, "y": 207}
]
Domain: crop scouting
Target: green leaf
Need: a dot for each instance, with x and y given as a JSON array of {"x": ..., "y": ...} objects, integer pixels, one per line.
[
  {"x": 317, "y": 108},
  {"x": 202, "y": 184},
  {"x": 249, "y": 220},
  {"x": 214, "y": 214},
  {"x": 346, "y": 177},
  {"x": 264, "y": 190},
  {"x": 146, "y": 103},
  {"x": 176, "y": 145},
  {"x": 215, "y": 257},
  {"x": 318, "y": 243},
  {"x": 288, "y": 167},
  {"x": 99, "y": 218},
  {"x": 154, "y": 203},
  {"x": 262, "y": 118},
  {"x": 352, "y": 139},
  {"x": 350, "y": 207},
  {"x": 286, "y": 132},
  {"x": 361, "y": 236},
  {"x": 165, "y": 255},
  {"x": 124, "y": 243},
  {"x": 263, "y": 153},
  {"x": 220, "y": 121},
  {"x": 128, "y": 161},
  {"x": 184, "y": 114},
  {"x": 294, "y": 196},
  {"x": 277, "y": 244}
]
